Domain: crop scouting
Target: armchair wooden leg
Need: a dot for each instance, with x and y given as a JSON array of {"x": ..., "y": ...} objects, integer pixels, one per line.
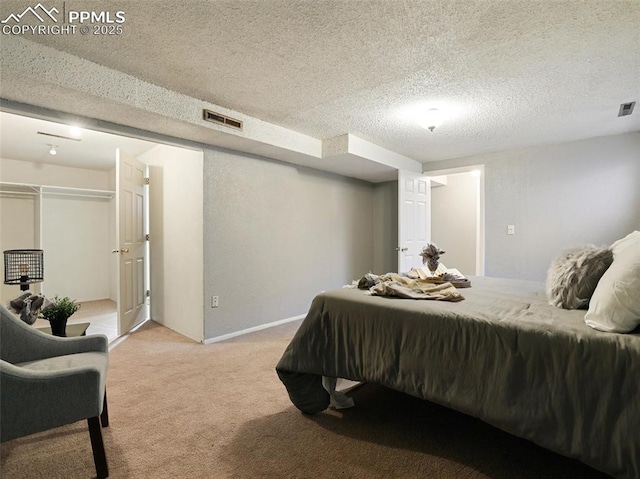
[
  {"x": 104, "y": 417},
  {"x": 97, "y": 445}
]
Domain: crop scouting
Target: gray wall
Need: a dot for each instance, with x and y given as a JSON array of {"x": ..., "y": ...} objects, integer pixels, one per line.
[
  {"x": 275, "y": 235},
  {"x": 557, "y": 196},
  {"x": 385, "y": 227}
]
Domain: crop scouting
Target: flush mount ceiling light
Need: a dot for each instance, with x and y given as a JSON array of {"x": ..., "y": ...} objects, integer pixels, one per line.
[
  {"x": 431, "y": 119},
  {"x": 75, "y": 132},
  {"x": 53, "y": 151}
]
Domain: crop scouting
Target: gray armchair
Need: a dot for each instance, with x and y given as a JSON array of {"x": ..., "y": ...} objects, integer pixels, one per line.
[{"x": 47, "y": 381}]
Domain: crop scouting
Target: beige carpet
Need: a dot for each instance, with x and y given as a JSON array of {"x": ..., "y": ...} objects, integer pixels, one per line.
[{"x": 179, "y": 409}]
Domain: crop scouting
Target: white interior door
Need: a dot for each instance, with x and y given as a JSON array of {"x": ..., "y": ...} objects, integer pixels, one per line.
[
  {"x": 414, "y": 225},
  {"x": 131, "y": 237}
]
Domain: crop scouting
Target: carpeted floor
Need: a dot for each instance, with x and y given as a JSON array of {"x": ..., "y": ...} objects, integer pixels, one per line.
[{"x": 179, "y": 409}]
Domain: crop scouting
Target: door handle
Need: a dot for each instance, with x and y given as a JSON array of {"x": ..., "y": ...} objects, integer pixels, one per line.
[
  {"x": 121, "y": 251},
  {"x": 401, "y": 249}
]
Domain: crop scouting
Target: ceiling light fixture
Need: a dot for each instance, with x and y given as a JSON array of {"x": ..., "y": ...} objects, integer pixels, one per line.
[
  {"x": 431, "y": 119},
  {"x": 75, "y": 131},
  {"x": 53, "y": 151}
]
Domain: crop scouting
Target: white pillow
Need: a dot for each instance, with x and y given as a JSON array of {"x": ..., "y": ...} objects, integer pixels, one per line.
[
  {"x": 632, "y": 239},
  {"x": 615, "y": 304}
]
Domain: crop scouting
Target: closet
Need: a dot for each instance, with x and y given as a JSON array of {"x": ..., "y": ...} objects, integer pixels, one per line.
[
  {"x": 70, "y": 213},
  {"x": 76, "y": 229}
]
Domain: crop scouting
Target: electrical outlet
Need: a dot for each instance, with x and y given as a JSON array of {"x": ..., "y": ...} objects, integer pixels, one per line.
[
  {"x": 215, "y": 301},
  {"x": 511, "y": 229}
]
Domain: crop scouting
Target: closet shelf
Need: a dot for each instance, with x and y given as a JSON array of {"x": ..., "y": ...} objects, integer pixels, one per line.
[
  {"x": 60, "y": 190},
  {"x": 19, "y": 188},
  {"x": 29, "y": 189}
]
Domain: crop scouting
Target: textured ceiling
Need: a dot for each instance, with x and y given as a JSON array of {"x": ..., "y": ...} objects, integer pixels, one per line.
[{"x": 510, "y": 73}]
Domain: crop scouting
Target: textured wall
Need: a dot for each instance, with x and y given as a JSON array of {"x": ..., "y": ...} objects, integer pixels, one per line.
[
  {"x": 558, "y": 197},
  {"x": 275, "y": 235}
]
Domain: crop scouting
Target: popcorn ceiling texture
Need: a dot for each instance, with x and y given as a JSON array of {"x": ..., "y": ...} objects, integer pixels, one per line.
[
  {"x": 521, "y": 74},
  {"x": 35, "y": 70}
]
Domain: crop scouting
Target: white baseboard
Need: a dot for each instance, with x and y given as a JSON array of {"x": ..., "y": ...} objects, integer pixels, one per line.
[{"x": 251, "y": 330}]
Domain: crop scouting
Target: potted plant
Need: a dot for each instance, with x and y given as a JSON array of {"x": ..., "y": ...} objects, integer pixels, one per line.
[{"x": 58, "y": 312}]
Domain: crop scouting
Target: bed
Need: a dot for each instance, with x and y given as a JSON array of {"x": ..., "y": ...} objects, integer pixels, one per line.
[{"x": 503, "y": 355}]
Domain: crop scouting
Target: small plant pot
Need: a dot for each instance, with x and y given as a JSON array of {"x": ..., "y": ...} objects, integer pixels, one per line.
[
  {"x": 58, "y": 327},
  {"x": 57, "y": 313}
]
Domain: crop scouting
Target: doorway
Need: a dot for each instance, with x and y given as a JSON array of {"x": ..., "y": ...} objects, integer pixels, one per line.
[
  {"x": 457, "y": 217},
  {"x": 58, "y": 193},
  {"x": 82, "y": 165}
]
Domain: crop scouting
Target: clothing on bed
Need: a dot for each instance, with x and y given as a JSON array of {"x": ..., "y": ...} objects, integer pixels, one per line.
[{"x": 395, "y": 285}]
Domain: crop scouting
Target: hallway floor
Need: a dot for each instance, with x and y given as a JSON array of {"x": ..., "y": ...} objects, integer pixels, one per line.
[{"x": 102, "y": 315}]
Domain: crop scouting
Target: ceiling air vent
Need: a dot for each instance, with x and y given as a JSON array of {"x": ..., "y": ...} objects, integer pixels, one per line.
[
  {"x": 626, "y": 108},
  {"x": 58, "y": 136},
  {"x": 221, "y": 119}
]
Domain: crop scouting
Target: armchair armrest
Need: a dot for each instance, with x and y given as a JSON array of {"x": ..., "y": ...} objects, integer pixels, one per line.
[
  {"x": 20, "y": 342},
  {"x": 34, "y": 400}
]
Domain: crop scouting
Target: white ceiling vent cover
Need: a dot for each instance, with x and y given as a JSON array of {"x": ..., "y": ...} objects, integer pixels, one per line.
[
  {"x": 58, "y": 136},
  {"x": 626, "y": 108},
  {"x": 221, "y": 119}
]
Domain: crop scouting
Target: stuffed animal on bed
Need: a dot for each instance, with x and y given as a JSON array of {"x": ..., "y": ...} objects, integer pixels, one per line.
[{"x": 431, "y": 256}]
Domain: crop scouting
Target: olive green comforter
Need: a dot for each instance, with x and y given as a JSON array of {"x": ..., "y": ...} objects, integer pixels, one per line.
[{"x": 503, "y": 355}]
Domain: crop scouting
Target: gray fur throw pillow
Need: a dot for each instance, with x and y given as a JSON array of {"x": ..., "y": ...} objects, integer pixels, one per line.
[{"x": 573, "y": 276}]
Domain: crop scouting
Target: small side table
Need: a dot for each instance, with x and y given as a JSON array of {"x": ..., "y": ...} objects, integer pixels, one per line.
[{"x": 73, "y": 330}]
